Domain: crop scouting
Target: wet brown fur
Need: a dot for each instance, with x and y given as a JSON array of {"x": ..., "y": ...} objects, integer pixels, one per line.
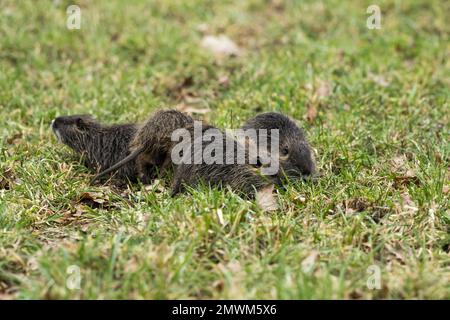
[{"x": 245, "y": 179}]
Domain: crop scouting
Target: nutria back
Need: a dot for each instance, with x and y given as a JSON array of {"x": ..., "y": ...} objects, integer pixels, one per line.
[{"x": 242, "y": 177}]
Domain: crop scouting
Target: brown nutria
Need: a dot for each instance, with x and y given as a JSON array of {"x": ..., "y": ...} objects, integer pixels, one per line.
[
  {"x": 100, "y": 145},
  {"x": 151, "y": 145},
  {"x": 296, "y": 158}
]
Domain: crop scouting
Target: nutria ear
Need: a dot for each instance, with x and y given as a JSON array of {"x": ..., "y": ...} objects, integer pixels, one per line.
[{"x": 80, "y": 123}]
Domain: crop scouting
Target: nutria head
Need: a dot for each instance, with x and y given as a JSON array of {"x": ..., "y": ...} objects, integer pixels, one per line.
[
  {"x": 75, "y": 131},
  {"x": 295, "y": 155}
]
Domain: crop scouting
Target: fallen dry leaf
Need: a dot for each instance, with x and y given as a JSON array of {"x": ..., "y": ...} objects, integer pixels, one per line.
[
  {"x": 316, "y": 92},
  {"x": 266, "y": 199},
  {"x": 404, "y": 175},
  {"x": 80, "y": 209},
  {"x": 445, "y": 189},
  {"x": 157, "y": 186},
  {"x": 311, "y": 112},
  {"x": 438, "y": 157},
  {"x": 94, "y": 200},
  {"x": 193, "y": 100},
  {"x": 379, "y": 80},
  {"x": 6, "y": 291},
  {"x": 323, "y": 89},
  {"x": 183, "y": 107},
  {"x": 7, "y": 296},
  {"x": 407, "y": 203},
  {"x": 32, "y": 264},
  {"x": 179, "y": 88},
  {"x": 224, "y": 81},
  {"x": 394, "y": 253},
  {"x": 218, "y": 285},
  {"x": 14, "y": 138},
  {"x": 203, "y": 28},
  {"x": 356, "y": 205},
  {"x": 6, "y": 179},
  {"x": 277, "y": 5},
  {"x": 186, "y": 82},
  {"x": 401, "y": 181},
  {"x": 220, "y": 45},
  {"x": 355, "y": 294},
  {"x": 233, "y": 266},
  {"x": 309, "y": 262},
  {"x": 399, "y": 162}
]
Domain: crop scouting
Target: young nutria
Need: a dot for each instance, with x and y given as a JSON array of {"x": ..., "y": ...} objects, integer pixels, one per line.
[
  {"x": 295, "y": 156},
  {"x": 151, "y": 144},
  {"x": 100, "y": 145}
]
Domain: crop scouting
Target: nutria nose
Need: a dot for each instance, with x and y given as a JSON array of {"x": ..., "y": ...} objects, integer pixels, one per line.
[{"x": 54, "y": 124}]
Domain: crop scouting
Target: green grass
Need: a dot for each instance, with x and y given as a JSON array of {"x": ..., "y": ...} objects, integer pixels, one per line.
[{"x": 383, "y": 151}]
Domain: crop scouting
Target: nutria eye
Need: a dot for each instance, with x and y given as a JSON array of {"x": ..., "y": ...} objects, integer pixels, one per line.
[{"x": 285, "y": 151}]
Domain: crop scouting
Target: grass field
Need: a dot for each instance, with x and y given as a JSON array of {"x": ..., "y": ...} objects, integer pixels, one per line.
[{"x": 374, "y": 103}]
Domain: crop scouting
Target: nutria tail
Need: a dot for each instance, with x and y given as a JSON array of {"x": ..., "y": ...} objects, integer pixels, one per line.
[{"x": 119, "y": 164}]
